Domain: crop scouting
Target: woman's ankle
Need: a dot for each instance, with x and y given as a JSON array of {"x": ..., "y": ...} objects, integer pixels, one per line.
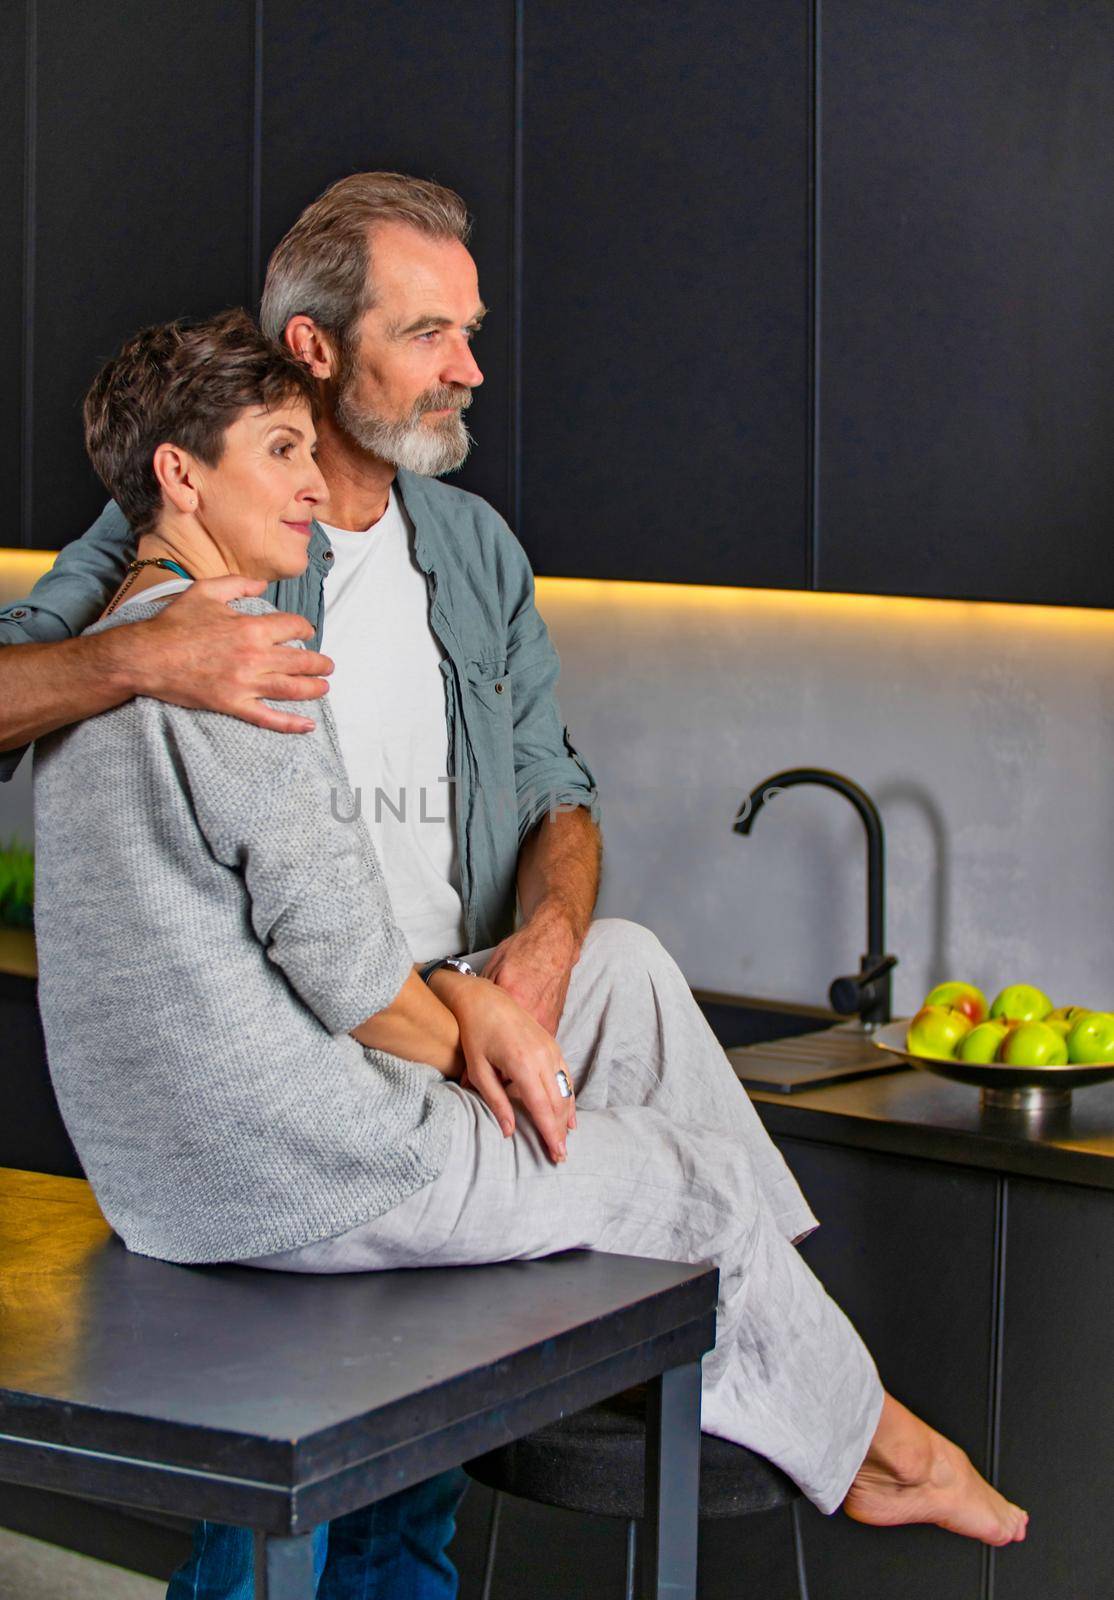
[{"x": 903, "y": 1449}]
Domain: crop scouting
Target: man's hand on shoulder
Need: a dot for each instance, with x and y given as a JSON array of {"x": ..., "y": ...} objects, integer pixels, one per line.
[
  {"x": 534, "y": 966},
  {"x": 200, "y": 653}
]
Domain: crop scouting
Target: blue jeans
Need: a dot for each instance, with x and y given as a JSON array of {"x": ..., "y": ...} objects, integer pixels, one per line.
[{"x": 392, "y": 1550}]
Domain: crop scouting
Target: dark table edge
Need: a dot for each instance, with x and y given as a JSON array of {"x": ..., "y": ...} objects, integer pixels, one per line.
[
  {"x": 154, "y": 1486},
  {"x": 286, "y": 1462},
  {"x": 988, "y": 1150},
  {"x": 329, "y": 1450}
]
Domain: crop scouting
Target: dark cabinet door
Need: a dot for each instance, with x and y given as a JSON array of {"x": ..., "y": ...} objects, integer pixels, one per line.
[
  {"x": 907, "y": 1249},
  {"x": 32, "y": 1134},
  {"x": 141, "y": 175},
  {"x": 171, "y": 150},
  {"x": 12, "y": 174},
  {"x": 1057, "y": 1442},
  {"x": 664, "y": 345},
  {"x": 966, "y": 351},
  {"x": 417, "y": 86}
]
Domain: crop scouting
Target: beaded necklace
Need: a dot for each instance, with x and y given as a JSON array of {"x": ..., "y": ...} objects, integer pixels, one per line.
[{"x": 133, "y": 573}]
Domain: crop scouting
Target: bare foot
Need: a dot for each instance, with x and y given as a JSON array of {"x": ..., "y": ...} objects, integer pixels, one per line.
[{"x": 913, "y": 1474}]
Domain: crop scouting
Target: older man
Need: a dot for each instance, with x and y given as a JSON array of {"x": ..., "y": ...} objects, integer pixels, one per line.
[
  {"x": 443, "y": 693},
  {"x": 446, "y": 683}
]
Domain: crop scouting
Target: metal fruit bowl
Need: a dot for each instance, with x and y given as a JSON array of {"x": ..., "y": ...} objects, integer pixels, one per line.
[{"x": 1012, "y": 1088}]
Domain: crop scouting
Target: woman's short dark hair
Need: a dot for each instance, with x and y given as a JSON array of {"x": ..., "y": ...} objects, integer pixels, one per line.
[{"x": 181, "y": 383}]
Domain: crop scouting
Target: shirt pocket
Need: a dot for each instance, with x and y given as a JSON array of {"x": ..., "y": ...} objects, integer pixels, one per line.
[{"x": 490, "y": 684}]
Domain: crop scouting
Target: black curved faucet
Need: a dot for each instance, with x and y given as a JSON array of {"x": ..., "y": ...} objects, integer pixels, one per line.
[{"x": 869, "y": 990}]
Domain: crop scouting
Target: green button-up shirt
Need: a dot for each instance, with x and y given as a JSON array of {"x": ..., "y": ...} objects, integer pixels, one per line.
[{"x": 510, "y": 757}]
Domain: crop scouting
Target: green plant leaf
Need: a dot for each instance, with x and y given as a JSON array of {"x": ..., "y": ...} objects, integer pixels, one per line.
[{"x": 17, "y": 885}]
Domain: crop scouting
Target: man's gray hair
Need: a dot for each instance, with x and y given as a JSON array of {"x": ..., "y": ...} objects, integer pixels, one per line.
[{"x": 322, "y": 268}]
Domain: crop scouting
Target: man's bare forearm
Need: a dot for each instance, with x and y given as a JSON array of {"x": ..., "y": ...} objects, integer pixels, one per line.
[
  {"x": 48, "y": 686},
  {"x": 559, "y": 871},
  {"x": 198, "y": 652}
]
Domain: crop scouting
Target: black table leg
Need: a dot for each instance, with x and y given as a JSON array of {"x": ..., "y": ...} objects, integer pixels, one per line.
[
  {"x": 672, "y": 1485},
  {"x": 283, "y": 1567}
]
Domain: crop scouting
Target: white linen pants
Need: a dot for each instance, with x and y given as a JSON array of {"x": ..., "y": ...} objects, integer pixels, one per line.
[{"x": 668, "y": 1160}]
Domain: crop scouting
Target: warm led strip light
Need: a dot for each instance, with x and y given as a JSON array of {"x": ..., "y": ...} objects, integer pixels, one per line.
[
  {"x": 687, "y": 599},
  {"x": 19, "y": 570}
]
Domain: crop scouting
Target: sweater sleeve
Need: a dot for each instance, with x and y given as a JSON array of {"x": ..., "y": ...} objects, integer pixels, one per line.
[{"x": 276, "y": 808}]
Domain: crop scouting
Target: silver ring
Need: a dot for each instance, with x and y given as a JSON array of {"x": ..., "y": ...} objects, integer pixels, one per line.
[{"x": 564, "y": 1087}]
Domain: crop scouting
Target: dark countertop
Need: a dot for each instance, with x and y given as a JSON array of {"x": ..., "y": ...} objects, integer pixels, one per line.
[{"x": 914, "y": 1113}]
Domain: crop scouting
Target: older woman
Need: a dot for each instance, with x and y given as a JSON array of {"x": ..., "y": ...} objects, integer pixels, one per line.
[{"x": 251, "y": 1069}]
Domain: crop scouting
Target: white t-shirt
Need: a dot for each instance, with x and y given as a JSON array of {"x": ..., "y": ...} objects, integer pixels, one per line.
[
  {"x": 157, "y": 591},
  {"x": 388, "y": 700}
]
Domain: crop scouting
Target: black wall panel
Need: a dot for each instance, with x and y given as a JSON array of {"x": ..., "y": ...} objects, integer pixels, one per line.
[
  {"x": 426, "y": 88},
  {"x": 142, "y": 183},
  {"x": 920, "y": 1292},
  {"x": 12, "y": 111},
  {"x": 665, "y": 351},
  {"x": 1057, "y": 1445},
  {"x": 967, "y": 348},
  {"x": 651, "y": 246}
]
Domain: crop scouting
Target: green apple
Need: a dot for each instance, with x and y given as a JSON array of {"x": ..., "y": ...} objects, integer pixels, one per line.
[
  {"x": 1062, "y": 1025},
  {"x": 1021, "y": 1002},
  {"x": 1034, "y": 1044},
  {"x": 1092, "y": 1039},
  {"x": 960, "y": 997},
  {"x": 982, "y": 1043},
  {"x": 935, "y": 1031}
]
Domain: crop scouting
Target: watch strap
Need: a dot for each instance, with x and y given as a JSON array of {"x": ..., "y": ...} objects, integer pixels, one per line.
[{"x": 457, "y": 963}]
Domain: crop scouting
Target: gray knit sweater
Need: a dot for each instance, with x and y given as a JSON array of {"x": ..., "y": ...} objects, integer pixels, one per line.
[{"x": 207, "y": 933}]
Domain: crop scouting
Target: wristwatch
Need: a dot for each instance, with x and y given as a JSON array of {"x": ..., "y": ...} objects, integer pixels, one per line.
[{"x": 457, "y": 963}]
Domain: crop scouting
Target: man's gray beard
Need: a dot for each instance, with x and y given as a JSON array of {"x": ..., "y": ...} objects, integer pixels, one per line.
[{"x": 410, "y": 444}]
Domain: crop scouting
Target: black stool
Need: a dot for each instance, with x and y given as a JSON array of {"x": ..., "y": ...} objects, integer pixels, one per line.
[{"x": 594, "y": 1462}]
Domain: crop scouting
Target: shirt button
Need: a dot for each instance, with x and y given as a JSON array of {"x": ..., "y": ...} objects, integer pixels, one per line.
[
  {"x": 328, "y": 556},
  {"x": 19, "y": 613},
  {"x": 498, "y": 688}
]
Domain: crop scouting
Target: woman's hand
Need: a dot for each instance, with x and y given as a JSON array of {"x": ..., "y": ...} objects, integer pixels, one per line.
[{"x": 508, "y": 1055}]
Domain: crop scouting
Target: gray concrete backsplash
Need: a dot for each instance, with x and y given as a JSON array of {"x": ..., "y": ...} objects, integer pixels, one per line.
[{"x": 984, "y": 733}]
